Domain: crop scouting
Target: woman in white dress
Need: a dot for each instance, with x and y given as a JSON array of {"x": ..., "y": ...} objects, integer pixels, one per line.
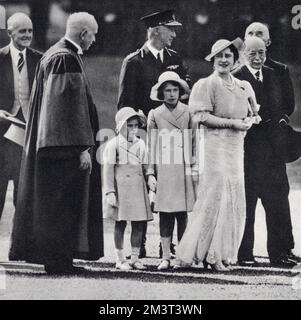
[{"x": 221, "y": 103}]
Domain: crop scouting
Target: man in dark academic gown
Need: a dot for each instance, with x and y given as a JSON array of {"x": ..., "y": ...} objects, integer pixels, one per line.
[{"x": 59, "y": 215}]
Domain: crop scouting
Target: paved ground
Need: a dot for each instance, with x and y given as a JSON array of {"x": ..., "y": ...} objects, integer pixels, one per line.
[{"x": 105, "y": 283}]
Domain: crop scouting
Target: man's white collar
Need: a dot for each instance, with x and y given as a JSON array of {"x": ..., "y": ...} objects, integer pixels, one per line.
[
  {"x": 79, "y": 49},
  {"x": 155, "y": 51},
  {"x": 15, "y": 53},
  {"x": 254, "y": 71}
]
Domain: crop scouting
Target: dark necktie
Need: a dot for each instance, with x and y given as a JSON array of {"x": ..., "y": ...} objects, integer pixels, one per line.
[
  {"x": 257, "y": 74},
  {"x": 159, "y": 58},
  {"x": 21, "y": 62}
]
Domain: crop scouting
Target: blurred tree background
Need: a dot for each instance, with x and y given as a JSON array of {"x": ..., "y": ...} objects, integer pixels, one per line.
[
  {"x": 204, "y": 21},
  {"x": 121, "y": 32}
]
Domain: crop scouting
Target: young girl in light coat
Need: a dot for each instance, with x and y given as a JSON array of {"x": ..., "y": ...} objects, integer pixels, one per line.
[
  {"x": 125, "y": 192},
  {"x": 171, "y": 141}
]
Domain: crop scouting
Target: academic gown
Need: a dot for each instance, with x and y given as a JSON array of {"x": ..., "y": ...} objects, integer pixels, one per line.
[{"x": 59, "y": 215}]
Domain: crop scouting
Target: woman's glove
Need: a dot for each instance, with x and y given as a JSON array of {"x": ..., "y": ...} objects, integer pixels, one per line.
[
  {"x": 111, "y": 199},
  {"x": 213, "y": 121},
  {"x": 242, "y": 125},
  {"x": 152, "y": 183}
]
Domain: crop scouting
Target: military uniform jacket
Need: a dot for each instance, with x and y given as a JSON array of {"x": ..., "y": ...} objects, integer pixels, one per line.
[{"x": 140, "y": 72}]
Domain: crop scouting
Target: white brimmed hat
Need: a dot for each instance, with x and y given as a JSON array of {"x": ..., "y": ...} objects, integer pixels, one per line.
[
  {"x": 222, "y": 44},
  {"x": 124, "y": 114},
  {"x": 169, "y": 76}
]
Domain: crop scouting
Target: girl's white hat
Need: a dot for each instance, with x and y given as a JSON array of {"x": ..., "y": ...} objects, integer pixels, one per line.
[
  {"x": 169, "y": 76},
  {"x": 124, "y": 114}
]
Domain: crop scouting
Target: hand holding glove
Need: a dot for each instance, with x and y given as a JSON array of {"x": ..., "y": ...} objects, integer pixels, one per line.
[
  {"x": 152, "y": 183},
  {"x": 111, "y": 199}
]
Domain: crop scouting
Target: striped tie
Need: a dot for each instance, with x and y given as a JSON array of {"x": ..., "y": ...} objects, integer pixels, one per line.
[{"x": 21, "y": 62}]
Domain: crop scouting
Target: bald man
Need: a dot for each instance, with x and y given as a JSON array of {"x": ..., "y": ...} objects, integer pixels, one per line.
[
  {"x": 17, "y": 63},
  {"x": 59, "y": 214},
  {"x": 262, "y": 31},
  {"x": 265, "y": 169}
]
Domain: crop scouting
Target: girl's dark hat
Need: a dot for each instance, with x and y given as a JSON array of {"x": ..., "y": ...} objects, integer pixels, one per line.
[{"x": 163, "y": 18}]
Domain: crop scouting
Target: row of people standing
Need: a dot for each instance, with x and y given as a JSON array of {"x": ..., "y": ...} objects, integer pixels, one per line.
[
  {"x": 221, "y": 102},
  {"x": 52, "y": 184}
]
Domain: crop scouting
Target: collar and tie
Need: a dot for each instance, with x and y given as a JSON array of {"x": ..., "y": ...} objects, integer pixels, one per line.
[
  {"x": 21, "y": 62},
  {"x": 159, "y": 58},
  {"x": 257, "y": 75}
]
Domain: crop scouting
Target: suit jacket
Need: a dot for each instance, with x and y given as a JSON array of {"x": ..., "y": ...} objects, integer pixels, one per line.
[
  {"x": 7, "y": 79},
  {"x": 140, "y": 71},
  {"x": 286, "y": 84},
  {"x": 268, "y": 134}
]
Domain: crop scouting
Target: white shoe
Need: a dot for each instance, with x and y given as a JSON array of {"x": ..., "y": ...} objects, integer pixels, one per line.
[
  {"x": 138, "y": 265},
  {"x": 178, "y": 266},
  {"x": 164, "y": 265},
  {"x": 123, "y": 266}
]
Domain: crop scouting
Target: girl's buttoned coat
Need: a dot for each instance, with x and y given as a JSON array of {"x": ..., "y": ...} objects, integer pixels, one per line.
[
  {"x": 171, "y": 155},
  {"x": 123, "y": 174}
]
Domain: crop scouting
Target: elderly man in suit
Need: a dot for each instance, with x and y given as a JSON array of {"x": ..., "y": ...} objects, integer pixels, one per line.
[
  {"x": 140, "y": 70},
  {"x": 18, "y": 63},
  {"x": 261, "y": 30},
  {"x": 265, "y": 169}
]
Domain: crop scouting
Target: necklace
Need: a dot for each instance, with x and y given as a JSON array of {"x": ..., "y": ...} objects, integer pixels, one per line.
[{"x": 229, "y": 85}]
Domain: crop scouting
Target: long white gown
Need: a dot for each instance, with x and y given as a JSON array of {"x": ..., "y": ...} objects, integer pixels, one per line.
[{"x": 216, "y": 225}]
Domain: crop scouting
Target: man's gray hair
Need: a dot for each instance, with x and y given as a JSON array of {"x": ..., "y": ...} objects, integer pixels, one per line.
[
  {"x": 15, "y": 19},
  {"x": 152, "y": 32},
  {"x": 79, "y": 21}
]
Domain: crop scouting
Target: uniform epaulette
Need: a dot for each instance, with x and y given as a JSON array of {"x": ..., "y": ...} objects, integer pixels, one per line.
[
  {"x": 169, "y": 51},
  {"x": 133, "y": 54}
]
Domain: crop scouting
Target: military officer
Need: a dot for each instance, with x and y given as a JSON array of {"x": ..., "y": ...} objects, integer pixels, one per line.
[{"x": 141, "y": 69}]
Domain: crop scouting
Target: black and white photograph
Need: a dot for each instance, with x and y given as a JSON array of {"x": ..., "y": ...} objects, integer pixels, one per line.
[{"x": 150, "y": 151}]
